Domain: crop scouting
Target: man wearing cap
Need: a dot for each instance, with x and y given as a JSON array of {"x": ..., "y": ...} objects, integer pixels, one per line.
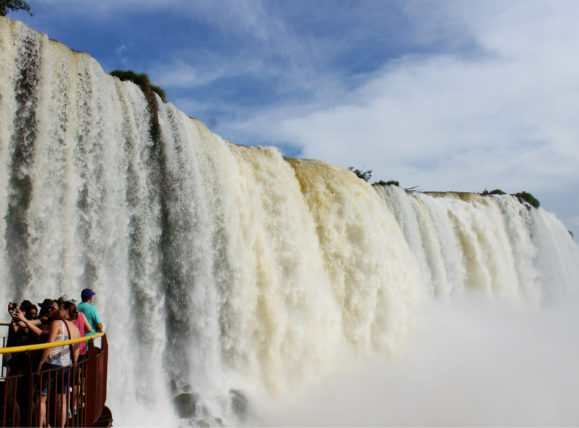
[{"x": 89, "y": 311}]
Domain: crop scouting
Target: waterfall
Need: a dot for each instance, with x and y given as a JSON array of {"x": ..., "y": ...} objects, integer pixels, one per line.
[{"x": 223, "y": 273}]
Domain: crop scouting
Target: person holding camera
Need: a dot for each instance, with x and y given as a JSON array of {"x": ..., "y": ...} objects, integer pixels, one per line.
[{"x": 15, "y": 363}]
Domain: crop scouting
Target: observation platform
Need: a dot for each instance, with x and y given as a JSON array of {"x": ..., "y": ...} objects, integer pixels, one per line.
[{"x": 75, "y": 395}]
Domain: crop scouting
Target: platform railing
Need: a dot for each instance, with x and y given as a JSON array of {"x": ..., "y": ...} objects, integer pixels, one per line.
[{"x": 67, "y": 396}]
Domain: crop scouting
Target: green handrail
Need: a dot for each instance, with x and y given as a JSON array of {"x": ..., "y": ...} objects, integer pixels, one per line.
[{"x": 25, "y": 348}]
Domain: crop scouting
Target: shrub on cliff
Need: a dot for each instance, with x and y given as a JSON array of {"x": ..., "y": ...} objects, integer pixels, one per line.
[
  {"x": 140, "y": 79},
  {"x": 527, "y": 197},
  {"x": 388, "y": 183},
  {"x": 364, "y": 175},
  {"x": 485, "y": 192},
  {"x": 497, "y": 192}
]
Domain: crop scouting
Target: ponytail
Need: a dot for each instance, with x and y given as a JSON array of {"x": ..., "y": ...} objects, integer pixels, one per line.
[{"x": 71, "y": 310}]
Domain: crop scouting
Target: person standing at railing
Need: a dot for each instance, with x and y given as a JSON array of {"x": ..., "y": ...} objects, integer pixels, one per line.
[
  {"x": 84, "y": 328},
  {"x": 89, "y": 311},
  {"x": 58, "y": 360},
  {"x": 23, "y": 330},
  {"x": 81, "y": 323},
  {"x": 15, "y": 363}
]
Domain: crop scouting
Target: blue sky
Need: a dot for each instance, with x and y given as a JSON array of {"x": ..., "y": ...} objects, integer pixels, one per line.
[{"x": 444, "y": 95}]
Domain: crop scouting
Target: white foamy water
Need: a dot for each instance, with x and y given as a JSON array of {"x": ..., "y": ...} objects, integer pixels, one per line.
[{"x": 244, "y": 283}]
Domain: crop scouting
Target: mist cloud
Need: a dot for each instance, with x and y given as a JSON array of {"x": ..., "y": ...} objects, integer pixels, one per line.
[{"x": 473, "y": 362}]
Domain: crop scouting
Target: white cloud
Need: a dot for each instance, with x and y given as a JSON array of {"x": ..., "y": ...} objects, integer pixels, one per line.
[
  {"x": 121, "y": 49},
  {"x": 181, "y": 74},
  {"x": 503, "y": 115}
]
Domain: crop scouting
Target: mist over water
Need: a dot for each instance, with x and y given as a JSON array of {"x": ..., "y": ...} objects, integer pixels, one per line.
[
  {"x": 472, "y": 362},
  {"x": 241, "y": 287}
]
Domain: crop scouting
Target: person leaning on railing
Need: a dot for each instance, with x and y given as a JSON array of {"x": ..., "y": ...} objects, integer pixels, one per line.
[{"x": 61, "y": 358}]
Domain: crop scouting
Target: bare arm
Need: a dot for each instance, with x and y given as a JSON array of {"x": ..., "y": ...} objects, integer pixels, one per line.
[
  {"x": 51, "y": 337},
  {"x": 87, "y": 327},
  {"x": 76, "y": 346},
  {"x": 32, "y": 325},
  {"x": 99, "y": 327}
]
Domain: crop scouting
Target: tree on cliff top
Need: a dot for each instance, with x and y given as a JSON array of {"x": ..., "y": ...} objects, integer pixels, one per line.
[
  {"x": 12, "y": 5},
  {"x": 364, "y": 175}
]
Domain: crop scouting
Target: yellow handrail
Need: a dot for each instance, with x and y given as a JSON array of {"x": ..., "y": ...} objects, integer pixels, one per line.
[{"x": 12, "y": 349}]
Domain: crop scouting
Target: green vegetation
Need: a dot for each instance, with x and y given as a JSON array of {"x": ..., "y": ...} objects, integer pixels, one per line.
[
  {"x": 497, "y": 192},
  {"x": 367, "y": 175},
  {"x": 364, "y": 175},
  {"x": 387, "y": 183},
  {"x": 140, "y": 79},
  {"x": 528, "y": 198},
  {"x": 12, "y": 5},
  {"x": 521, "y": 196},
  {"x": 493, "y": 192}
]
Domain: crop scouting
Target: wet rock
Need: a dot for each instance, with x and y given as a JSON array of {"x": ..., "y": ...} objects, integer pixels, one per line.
[
  {"x": 238, "y": 403},
  {"x": 202, "y": 423},
  {"x": 186, "y": 403}
]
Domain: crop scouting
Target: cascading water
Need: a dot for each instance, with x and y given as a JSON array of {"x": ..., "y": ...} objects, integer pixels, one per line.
[{"x": 225, "y": 274}]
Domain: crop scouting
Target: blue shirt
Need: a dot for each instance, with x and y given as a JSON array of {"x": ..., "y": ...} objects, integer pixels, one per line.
[{"x": 91, "y": 314}]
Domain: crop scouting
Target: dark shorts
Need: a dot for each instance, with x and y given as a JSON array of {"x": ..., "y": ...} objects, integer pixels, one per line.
[{"x": 57, "y": 378}]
